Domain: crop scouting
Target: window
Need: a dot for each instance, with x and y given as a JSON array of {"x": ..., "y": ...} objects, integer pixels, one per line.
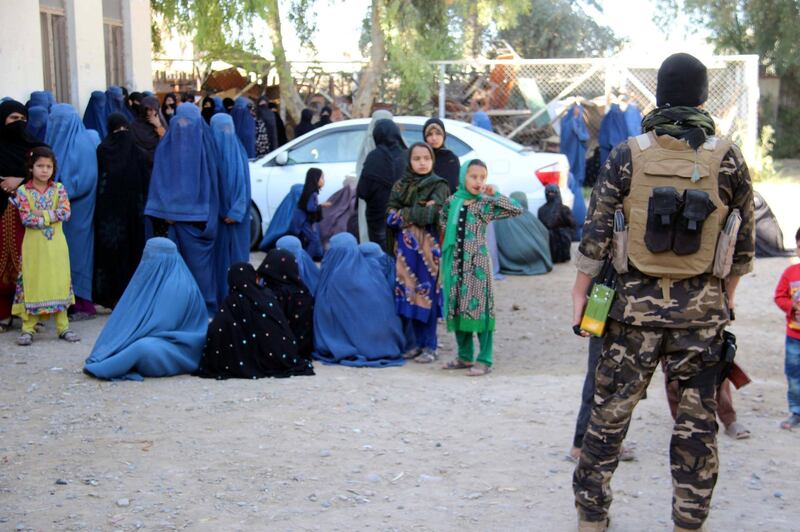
[
  {"x": 332, "y": 147},
  {"x": 508, "y": 143},
  {"x": 413, "y": 134},
  {"x": 115, "y": 71},
  {"x": 54, "y": 53},
  {"x": 114, "y": 46}
]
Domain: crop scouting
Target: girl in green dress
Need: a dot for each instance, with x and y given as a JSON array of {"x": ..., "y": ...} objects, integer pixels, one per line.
[{"x": 466, "y": 269}]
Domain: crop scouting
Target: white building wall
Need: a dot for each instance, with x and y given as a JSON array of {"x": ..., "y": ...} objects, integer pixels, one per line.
[
  {"x": 87, "y": 59},
  {"x": 138, "y": 45},
  {"x": 20, "y": 49}
]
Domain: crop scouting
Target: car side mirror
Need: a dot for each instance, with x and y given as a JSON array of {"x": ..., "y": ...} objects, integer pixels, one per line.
[{"x": 282, "y": 158}]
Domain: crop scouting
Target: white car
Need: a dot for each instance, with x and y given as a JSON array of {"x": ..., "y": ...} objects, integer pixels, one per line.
[{"x": 334, "y": 149}]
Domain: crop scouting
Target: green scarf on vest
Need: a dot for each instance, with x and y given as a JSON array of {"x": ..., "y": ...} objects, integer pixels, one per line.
[{"x": 689, "y": 123}]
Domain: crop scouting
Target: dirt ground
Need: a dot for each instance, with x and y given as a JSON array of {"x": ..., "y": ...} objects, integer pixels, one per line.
[{"x": 410, "y": 448}]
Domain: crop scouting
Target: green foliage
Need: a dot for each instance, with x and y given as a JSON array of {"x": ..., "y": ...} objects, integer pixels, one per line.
[
  {"x": 559, "y": 28},
  {"x": 762, "y": 167}
]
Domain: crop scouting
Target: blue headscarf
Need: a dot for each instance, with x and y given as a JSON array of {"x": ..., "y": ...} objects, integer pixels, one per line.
[
  {"x": 115, "y": 102},
  {"x": 96, "y": 114},
  {"x": 76, "y": 167},
  {"x": 613, "y": 130},
  {"x": 218, "y": 106},
  {"x": 159, "y": 326},
  {"x": 148, "y": 93},
  {"x": 37, "y": 122},
  {"x": 353, "y": 291},
  {"x": 233, "y": 240},
  {"x": 43, "y": 98},
  {"x": 183, "y": 185},
  {"x": 633, "y": 120},
  {"x": 309, "y": 271},
  {"x": 574, "y": 137},
  {"x": 282, "y": 219},
  {"x": 380, "y": 260},
  {"x": 245, "y": 125}
]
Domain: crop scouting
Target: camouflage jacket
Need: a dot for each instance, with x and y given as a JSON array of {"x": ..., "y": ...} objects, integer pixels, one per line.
[{"x": 695, "y": 302}]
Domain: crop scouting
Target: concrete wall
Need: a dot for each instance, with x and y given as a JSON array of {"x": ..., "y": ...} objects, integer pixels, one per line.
[
  {"x": 138, "y": 44},
  {"x": 20, "y": 49},
  {"x": 87, "y": 59}
]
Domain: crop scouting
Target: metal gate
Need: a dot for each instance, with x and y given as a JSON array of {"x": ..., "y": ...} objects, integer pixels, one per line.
[{"x": 523, "y": 97}]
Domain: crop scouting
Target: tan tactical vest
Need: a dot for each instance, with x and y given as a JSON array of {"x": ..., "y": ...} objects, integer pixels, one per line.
[{"x": 663, "y": 161}]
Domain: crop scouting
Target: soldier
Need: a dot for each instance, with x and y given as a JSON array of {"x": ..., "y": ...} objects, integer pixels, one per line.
[{"x": 680, "y": 188}]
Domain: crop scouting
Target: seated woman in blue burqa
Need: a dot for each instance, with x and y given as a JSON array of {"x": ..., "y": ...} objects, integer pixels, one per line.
[
  {"x": 158, "y": 328},
  {"x": 355, "y": 323}
]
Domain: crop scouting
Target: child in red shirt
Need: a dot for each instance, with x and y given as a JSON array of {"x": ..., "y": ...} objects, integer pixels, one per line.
[{"x": 787, "y": 297}]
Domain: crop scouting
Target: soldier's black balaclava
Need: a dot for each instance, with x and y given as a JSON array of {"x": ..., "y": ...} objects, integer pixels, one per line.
[{"x": 682, "y": 81}]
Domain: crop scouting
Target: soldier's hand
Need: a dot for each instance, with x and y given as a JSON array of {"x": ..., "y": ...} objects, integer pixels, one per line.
[{"x": 579, "y": 298}]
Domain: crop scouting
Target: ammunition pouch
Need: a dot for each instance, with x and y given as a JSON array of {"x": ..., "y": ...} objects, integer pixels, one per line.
[
  {"x": 714, "y": 375},
  {"x": 695, "y": 208},
  {"x": 662, "y": 209}
]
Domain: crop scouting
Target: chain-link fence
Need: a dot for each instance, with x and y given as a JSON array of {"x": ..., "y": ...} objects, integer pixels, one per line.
[{"x": 525, "y": 98}]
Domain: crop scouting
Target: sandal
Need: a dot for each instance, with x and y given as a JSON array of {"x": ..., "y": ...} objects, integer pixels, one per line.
[
  {"x": 69, "y": 336},
  {"x": 25, "y": 339},
  {"x": 479, "y": 370},
  {"x": 408, "y": 355},
  {"x": 457, "y": 363},
  {"x": 791, "y": 422},
  {"x": 737, "y": 431},
  {"x": 427, "y": 356}
]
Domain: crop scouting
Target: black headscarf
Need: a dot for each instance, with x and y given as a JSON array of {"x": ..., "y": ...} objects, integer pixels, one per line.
[
  {"x": 143, "y": 132},
  {"x": 174, "y": 106},
  {"x": 123, "y": 176},
  {"x": 309, "y": 187},
  {"x": 324, "y": 117},
  {"x": 279, "y": 125},
  {"x": 446, "y": 163},
  {"x": 135, "y": 99},
  {"x": 250, "y": 338},
  {"x": 207, "y": 112},
  {"x": 280, "y": 273},
  {"x": 228, "y": 104},
  {"x": 116, "y": 121},
  {"x": 305, "y": 124},
  {"x": 15, "y": 145}
]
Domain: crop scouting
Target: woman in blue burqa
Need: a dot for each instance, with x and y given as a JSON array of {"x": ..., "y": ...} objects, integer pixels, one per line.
[
  {"x": 37, "y": 122},
  {"x": 523, "y": 242},
  {"x": 96, "y": 114},
  {"x": 158, "y": 328},
  {"x": 115, "y": 102},
  {"x": 233, "y": 236},
  {"x": 244, "y": 119},
  {"x": 76, "y": 168},
  {"x": 355, "y": 323},
  {"x": 574, "y": 137},
  {"x": 183, "y": 200}
]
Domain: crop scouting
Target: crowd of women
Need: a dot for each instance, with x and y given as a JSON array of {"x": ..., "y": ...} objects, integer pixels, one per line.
[{"x": 153, "y": 201}]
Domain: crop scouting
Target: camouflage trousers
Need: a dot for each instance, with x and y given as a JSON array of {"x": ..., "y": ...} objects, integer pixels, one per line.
[{"x": 630, "y": 355}]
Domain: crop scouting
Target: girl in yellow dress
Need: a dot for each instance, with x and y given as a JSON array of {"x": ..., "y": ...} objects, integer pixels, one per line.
[{"x": 44, "y": 286}]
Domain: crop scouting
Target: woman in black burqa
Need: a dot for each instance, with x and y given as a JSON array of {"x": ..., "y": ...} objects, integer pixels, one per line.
[
  {"x": 250, "y": 338},
  {"x": 147, "y": 128},
  {"x": 280, "y": 273},
  {"x": 560, "y": 223},
  {"x": 123, "y": 177},
  {"x": 382, "y": 168},
  {"x": 305, "y": 124}
]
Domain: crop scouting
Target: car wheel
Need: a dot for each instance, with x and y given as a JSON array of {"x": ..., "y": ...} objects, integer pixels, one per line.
[{"x": 255, "y": 227}]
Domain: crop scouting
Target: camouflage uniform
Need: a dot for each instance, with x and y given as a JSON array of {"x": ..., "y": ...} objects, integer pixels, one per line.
[{"x": 643, "y": 329}]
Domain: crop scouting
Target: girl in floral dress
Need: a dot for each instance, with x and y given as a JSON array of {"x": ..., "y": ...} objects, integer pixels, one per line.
[
  {"x": 413, "y": 215},
  {"x": 467, "y": 268},
  {"x": 44, "y": 286}
]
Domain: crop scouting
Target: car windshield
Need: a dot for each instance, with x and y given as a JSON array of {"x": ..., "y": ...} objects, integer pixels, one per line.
[{"x": 510, "y": 144}]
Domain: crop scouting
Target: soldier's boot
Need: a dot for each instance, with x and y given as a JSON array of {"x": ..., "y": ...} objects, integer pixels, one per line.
[{"x": 593, "y": 526}]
